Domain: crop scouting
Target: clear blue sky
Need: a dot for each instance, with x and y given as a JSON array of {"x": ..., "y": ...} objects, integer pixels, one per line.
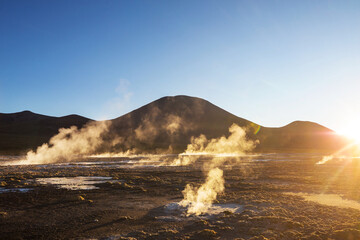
[{"x": 271, "y": 62}]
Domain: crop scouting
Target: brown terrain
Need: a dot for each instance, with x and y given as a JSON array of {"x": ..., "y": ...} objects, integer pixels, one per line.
[
  {"x": 133, "y": 202},
  {"x": 276, "y": 192}
]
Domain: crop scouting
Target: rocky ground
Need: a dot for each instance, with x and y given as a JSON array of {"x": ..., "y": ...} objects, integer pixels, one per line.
[{"x": 133, "y": 202}]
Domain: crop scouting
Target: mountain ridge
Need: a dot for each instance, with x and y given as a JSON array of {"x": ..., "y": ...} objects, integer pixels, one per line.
[
  {"x": 25, "y": 130},
  {"x": 170, "y": 120}
]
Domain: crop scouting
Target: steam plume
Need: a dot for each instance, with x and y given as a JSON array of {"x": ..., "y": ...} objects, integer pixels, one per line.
[
  {"x": 198, "y": 200},
  {"x": 70, "y": 142},
  {"x": 352, "y": 147},
  {"x": 325, "y": 159},
  {"x": 154, "y": 124},
  {"x": 235, "y": 143}
]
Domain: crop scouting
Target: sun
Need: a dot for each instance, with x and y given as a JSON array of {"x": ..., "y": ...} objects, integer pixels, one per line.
[
  {"x": 351, "y": 132},
  {"x": 349, "y": 127}
]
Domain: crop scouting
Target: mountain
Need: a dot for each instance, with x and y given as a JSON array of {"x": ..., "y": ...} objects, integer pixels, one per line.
[
  {"x": 300, "y": 136},
  {"x": 26, "y": 130},
  {"x": 174, "y": 120},
  {"x": 169, "y": 121}
]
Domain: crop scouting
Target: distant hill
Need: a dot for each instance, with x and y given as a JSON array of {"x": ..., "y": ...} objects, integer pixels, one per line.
[
  {"x": 300, "y": 136},
  {"x": 26, "y": 130},
  {"x": 197, "y": 116},
  {"x": 169, "y": 121},
  {"x": 173, "y": 120}
]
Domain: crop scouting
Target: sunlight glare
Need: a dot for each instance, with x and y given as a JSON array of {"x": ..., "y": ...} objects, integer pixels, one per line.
[{"x": 351, "y": 132}]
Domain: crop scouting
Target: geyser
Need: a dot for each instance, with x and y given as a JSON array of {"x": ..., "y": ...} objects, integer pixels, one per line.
[{"x": 199, "y": 200}]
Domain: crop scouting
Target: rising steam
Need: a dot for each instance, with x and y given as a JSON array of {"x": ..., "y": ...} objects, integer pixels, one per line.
[
  {"x": 325, "y": 159},
  {"x": 96, "y": 136},
  {"x": 199, "y": 200},
  {"x": 350, "y": 149},
  {"x": 70, "y": 142},
  {"x": 155, "y": 124},
  {"x": 236, "y": 143}
]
